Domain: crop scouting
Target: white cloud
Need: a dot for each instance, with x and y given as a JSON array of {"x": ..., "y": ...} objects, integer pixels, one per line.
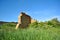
[{"x": 44, "y": 15}]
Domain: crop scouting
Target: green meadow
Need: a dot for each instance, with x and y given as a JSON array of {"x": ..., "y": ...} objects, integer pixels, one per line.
[{"x": 49, "y": 30}]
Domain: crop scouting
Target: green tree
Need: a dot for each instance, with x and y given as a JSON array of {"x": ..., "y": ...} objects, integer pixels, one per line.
[{"x": 54, "y": 22}]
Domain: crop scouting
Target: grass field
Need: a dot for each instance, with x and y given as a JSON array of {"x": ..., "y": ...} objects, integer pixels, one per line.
[
  {"x": 36, "y": 31},
  {"x": 30, "y": 34}
]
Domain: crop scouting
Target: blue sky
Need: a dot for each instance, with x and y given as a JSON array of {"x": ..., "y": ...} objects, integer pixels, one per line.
[{"x": 41, "y": 10}]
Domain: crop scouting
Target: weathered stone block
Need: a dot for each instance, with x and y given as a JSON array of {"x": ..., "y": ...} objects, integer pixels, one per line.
[{"x": 23, "y": 20}]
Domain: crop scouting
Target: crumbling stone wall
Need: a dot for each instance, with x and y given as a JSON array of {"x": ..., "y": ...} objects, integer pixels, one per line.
[{"x": 23, "y": 20}]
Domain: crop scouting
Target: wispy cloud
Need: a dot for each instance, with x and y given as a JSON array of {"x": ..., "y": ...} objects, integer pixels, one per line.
[{"x": 44, "y": 15}]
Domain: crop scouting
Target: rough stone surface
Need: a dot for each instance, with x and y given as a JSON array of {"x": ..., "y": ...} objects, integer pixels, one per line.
[
  {"x": 32, "y": 20},
  {"x": 24, "y": 20}
]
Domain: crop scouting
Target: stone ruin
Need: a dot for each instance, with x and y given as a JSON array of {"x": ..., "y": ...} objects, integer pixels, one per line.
[{"x": 24, "y": 20}]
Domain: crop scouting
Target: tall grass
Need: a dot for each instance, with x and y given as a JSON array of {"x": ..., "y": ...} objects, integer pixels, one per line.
[
  {"x": 37, "y": 31},
  {"x": 30, "y": 34}
]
